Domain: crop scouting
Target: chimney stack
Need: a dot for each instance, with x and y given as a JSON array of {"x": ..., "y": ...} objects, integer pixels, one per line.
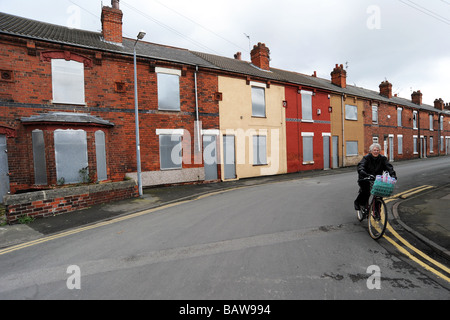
[
  {"x": 339, "y": 76},
  {"x": 439, "y": 104},
  {"x": 416, "y": 97},
  {"x": 260, "y": 56},
  {"x": 238, "y": 56},
  {"x": 112, "y": 22},
  {"x": 386, "y": 89}
]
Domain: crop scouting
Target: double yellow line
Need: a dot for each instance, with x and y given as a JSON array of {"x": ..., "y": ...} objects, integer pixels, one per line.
[
  {"x": 434, "y": 263},
  {"x": 89, "y": 227}
]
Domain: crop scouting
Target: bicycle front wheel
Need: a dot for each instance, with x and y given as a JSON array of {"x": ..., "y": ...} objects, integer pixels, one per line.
[{"x": 377, "y": 218}]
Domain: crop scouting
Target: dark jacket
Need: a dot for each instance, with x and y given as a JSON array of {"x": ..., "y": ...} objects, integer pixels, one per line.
[{"x": 370, "y": 165}]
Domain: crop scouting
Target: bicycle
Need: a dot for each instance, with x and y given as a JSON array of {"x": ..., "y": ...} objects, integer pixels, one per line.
[{"x": 376, "y": 212}]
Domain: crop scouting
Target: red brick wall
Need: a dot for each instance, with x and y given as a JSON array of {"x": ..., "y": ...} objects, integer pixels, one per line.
[
  {"x": 30, "y": 93},
  {"x": 61, "y": 203},
  {"x": 387, "y": 124}
]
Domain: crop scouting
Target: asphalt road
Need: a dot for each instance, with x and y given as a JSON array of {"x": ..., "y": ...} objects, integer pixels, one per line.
[{"x": 295, "y": 239}]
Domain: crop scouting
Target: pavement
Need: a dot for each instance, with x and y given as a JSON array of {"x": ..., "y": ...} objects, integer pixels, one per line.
[{"x": 425, "y": 215}]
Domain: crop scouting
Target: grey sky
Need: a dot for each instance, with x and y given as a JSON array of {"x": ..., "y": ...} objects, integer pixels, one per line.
[{"x": 403, "y": 41}]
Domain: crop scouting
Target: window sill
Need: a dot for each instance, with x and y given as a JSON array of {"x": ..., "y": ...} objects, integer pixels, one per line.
[
  {"x": 169, "y": 110},
  {"x": 259, "y": 117},
  {"x": 83, "y": 104},
  {"x": 308, "y": 162},
  {"x": 170, "y": 169}
]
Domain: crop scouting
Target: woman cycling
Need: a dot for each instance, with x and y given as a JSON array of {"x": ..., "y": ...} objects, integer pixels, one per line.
[{"x": 372, "y": 164}]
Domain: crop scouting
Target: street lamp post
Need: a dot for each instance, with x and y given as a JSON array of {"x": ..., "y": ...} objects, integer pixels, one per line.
[{"x": 140, "y": 36}]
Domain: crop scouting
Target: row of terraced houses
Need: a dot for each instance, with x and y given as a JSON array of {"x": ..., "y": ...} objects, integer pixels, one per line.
[{"x": 67, "y": 116}]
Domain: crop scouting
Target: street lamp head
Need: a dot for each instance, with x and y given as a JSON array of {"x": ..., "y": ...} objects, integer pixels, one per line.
[{"x": 141, "y": 35}]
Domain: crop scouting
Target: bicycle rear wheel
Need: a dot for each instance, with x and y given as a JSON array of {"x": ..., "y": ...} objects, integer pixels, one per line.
[{"x": 377, "y": 218}]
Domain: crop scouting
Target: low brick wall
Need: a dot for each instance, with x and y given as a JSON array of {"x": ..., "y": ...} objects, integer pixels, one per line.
[{"x": 57, "y": 201}]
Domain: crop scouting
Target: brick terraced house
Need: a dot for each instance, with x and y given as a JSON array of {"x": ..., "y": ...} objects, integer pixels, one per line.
[{"x": 67, "y": 107}]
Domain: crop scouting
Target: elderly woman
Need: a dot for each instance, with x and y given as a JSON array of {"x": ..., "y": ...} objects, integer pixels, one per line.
[{"x": 372, "y": 164}]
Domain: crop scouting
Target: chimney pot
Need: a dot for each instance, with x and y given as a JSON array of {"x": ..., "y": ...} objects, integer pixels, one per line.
[
  {"x": 112, "y": 22},
  {"x": 386, "y": 89},
  {"x": 238, "y": 56},
  {"x": 339, "y": 76},
  {"x": 260, "y": 56},
  {"x": 439, "y": 104},
  {"x": 416, "y": 97}
]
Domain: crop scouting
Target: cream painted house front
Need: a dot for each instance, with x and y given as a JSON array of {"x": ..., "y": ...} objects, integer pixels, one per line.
[{"x": 252, "y": 128}]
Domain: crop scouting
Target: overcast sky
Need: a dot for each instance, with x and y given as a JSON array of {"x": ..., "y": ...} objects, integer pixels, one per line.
[{"x": 406, "y": 42}]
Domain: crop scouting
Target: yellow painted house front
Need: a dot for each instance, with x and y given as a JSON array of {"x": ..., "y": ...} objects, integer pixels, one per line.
[{"x": 252, "y": 128}]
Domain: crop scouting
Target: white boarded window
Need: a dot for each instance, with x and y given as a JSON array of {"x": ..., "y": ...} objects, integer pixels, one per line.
[
  {"x": 68, "y": 81},
  {"x": 352, "y": 148},
  {"x": 414, "y": 119},
  {"x": 375, "y": 114},
  {"x": 170, "y": 154},
  {"x": 308, "y": 151},
  {"x": 351, "y": 112},
  {"x": 100, "y": 153},
  {"x": 259, "y": 150},
  {"x": 70, "y": 154},
  {"x": 40, "y": 167},
  {"x": 258, "y": 102},
  {"x": 168, "y": 89},
  {"x": 306, "y": 105},
  {"x": 415, "y": 144},
  {"x": 431, "y": 145},
  {"x": 400, "y": 144}
]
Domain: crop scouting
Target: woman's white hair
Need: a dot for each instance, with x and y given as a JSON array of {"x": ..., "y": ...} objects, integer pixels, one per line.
[{"x": 374, "y": 145}]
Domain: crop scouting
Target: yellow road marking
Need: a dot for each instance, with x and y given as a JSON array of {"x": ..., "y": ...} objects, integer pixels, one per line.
[
  {"x": 404, "y": 195},
  {"x": 104, "y": 223},
  {"x": 410, "y": 256},
  {"x": 78, "y": 230},
  {"x": 407, "y": 193}
]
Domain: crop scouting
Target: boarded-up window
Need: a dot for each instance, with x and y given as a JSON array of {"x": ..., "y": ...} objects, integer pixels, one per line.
[
  {"x": 40, "y": 167},
  {"x": 259, "y": 150},
  {"x": 68, "y": 81},
  {"x": 258, "y": 102},
  {"x": 170, "y": 151},
  {"x": 70, "y": 154},
  {"x": 100, "y": 152},
  {"x": 168, "y": 92}
]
